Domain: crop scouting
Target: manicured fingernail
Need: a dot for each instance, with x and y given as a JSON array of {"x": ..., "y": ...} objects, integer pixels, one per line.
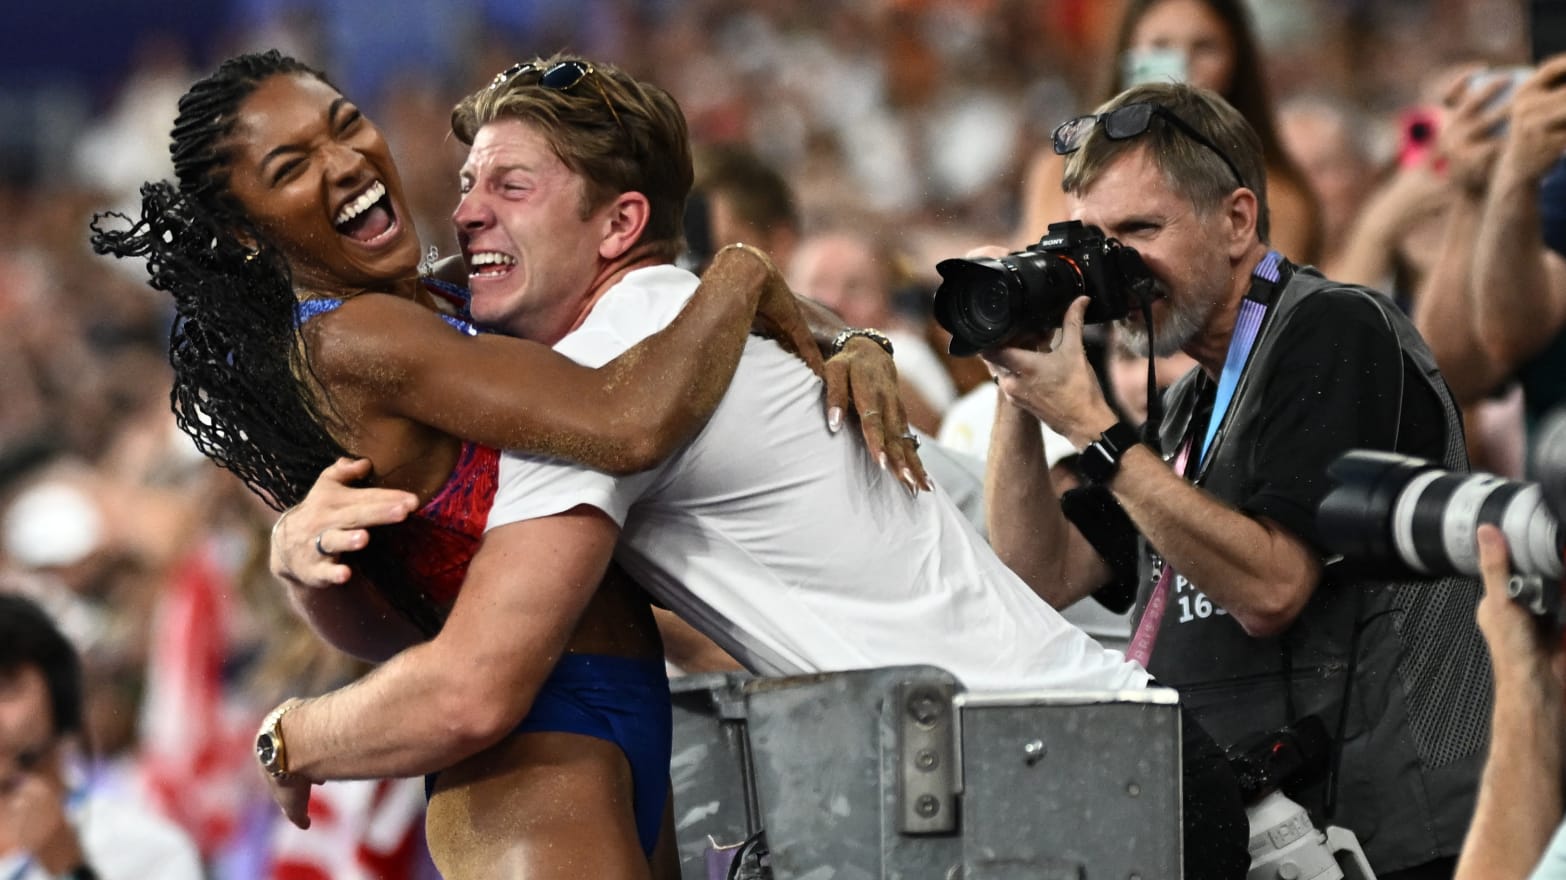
[
  {"x": 911, "y": 480},
  {"x": 834, "y": 419},
  {"x": 883, "y": 462}
]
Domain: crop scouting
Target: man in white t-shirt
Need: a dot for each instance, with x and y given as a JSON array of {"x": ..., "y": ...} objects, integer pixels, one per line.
[{"x": 780, "y": 540}]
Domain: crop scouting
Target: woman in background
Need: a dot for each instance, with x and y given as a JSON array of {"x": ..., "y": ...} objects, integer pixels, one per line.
[{"x": 1208, "y": 43}]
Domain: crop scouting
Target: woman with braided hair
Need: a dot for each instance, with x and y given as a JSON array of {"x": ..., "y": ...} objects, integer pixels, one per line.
[{"x": 305, "y": 332}]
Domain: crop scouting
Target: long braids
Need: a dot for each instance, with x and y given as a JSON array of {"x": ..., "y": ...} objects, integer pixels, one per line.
[{"x": 235, "y": 345}]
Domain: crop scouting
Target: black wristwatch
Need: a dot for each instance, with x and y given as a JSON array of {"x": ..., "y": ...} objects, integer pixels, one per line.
[{"x": 1101, "y": 459}]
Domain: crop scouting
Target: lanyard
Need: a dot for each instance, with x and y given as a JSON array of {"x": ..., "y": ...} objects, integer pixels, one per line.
[{"x": 1246, "y": 328}]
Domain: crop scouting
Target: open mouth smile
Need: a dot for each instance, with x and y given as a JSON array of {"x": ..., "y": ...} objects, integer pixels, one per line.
[
  {"x": 367, "y": 218},
  {"x": 489, "y": 264}
]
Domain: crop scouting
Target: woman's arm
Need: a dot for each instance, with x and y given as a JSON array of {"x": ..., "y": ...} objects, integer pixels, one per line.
[
  {"x": 625, "y": 416},
  {"x": 388, "y": 358}
]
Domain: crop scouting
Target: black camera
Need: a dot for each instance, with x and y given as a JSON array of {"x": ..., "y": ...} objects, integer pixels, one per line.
[
  {"x": 988, "y": 303},
  {"x": 1395, "y": 511}
]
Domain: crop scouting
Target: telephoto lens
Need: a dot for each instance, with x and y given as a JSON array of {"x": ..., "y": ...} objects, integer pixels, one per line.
[{"x": 1390, "y": 508}]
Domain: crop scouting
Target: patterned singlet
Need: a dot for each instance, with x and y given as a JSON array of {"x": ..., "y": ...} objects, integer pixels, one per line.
[{"x": 426, "y": 556}]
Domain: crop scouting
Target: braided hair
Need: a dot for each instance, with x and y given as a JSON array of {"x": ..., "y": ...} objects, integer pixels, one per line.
[{"x": 235, "y": 344}]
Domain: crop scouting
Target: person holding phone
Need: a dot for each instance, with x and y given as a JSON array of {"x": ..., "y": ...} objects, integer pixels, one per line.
[{"x": 1494, "y": 306}]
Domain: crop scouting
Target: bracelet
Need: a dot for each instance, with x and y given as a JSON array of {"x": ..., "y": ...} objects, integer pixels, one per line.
[
  {"x": 876, "y": 336},
  {"x": 754, "y": 251}
]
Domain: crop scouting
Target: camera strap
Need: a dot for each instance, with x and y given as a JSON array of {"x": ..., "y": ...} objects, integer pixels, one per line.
[{"x": 1247, "y": 327}]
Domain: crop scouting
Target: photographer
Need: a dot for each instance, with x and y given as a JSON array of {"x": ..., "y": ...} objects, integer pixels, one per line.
[{"x": 1237, "y": 607}]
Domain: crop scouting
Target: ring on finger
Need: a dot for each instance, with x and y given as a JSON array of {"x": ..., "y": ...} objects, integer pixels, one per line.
[
  {"x": 318, "y": 548},
  {"x": 912, "y": 438}
]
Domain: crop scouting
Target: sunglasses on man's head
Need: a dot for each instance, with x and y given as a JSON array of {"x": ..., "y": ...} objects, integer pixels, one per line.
[
  {"x": 561, "y": 76},
  {"x": 1123, "y": 123}
]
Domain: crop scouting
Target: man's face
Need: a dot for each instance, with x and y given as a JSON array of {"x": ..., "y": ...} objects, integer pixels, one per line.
[
  {"x": 28, "y": 743},
  {"x": 1185, "y": 251},
  {"x": 841, "y": 273},
  {"x": 532, "y": 257}
]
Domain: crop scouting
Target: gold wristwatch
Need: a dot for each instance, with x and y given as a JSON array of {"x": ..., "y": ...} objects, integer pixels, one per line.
[{"x": 270, "y": 750}]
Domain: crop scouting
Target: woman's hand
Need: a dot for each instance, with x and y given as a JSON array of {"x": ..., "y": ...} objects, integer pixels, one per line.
[{"x": 862, "y": 374}]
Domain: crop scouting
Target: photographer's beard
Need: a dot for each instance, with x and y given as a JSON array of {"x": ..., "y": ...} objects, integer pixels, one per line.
[{"x": 1181, "y": 324}]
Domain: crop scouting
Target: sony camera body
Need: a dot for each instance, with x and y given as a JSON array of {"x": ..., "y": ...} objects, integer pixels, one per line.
[{"x": 989, "y": 303}]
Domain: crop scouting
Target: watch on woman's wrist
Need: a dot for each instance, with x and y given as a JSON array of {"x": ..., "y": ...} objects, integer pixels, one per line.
[{"x": 1100, "y": 460}]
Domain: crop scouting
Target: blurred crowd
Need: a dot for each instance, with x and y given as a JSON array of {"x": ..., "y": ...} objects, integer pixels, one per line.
[{"x": 903, "y": 130}]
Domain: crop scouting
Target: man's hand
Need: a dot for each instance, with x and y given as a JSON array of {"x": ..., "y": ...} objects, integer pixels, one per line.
[
  {"x": 334, "y": 518},
  {"x": 1056, "y": 383},
  {"x": 1521, "y": 651},
  {"x": 292, "y": 794},
  {"x": 1536, "y": 138},
  {"x": 33, "y": 821},
  {"x": 1470, "y": 139}
]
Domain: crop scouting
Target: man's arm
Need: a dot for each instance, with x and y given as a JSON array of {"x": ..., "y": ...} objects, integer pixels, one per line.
[
  {"x": 1258, "y": 572},
  {"x": 1519, "y": 802},
  {"x": 1448, "y": 299},
  {"x": 450, "y": 697},
  {"x": 1521, "y": 284},
  {"x": 1027, "y": 528}
]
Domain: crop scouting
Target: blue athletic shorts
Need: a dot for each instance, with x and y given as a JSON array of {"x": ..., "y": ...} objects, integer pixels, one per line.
[{"x": 624, "y": 701}]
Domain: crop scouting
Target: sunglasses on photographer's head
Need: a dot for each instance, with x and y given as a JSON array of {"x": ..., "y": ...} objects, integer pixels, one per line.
[
  {"x": 561, "y": 76},
  {"x": 1127, "y": 122}
]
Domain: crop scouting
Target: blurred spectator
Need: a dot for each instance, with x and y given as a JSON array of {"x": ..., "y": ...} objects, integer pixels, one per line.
[
  {"x": 51, "y": 823},
  {"x": 130, "y": 144},
  {"x": 1494, "y": 307},
  {"x": 855, "y": 276},
  {"x": 747, "y": 200},
  {"x": 1332, "y": 140},
  {"x": 1208, "y": 43}
]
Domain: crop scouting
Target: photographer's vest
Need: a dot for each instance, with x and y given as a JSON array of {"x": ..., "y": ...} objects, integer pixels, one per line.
[{"x": 1413, "y": 732}]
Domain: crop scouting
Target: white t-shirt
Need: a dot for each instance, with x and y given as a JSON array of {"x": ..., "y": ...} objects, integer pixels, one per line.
[
  {"x": 121, "y": 842},
  {"x": 789, "y": 547}
]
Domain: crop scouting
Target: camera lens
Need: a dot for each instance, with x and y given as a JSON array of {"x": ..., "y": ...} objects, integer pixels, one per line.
[
  {"x": 1392, "y": 508},
  {"x": 989, "y": 309}
]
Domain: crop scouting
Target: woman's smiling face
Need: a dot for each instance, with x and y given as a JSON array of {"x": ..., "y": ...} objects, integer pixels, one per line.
[{"x": 316, "y": 177}]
